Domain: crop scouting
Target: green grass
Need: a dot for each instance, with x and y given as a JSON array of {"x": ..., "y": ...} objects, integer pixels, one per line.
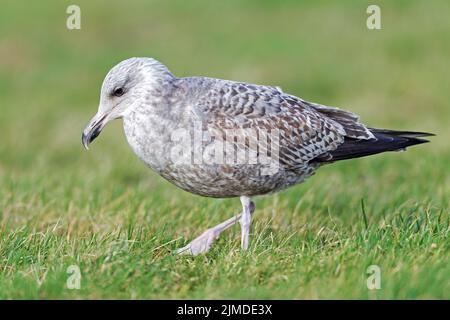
[{"x": 105, "y": 212}]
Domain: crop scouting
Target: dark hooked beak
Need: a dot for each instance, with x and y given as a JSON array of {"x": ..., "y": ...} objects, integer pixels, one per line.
[{"x": 93, "y": 129}]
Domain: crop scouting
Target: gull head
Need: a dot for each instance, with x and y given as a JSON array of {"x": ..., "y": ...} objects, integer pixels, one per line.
[{"x": 125, "y": 86}]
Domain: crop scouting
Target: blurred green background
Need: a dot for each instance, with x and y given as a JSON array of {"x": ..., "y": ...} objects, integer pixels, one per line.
[{"x": 104, "y": 211}]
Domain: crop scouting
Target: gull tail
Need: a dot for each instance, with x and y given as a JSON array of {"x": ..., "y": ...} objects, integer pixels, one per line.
[{"x": 385, "y": 140}]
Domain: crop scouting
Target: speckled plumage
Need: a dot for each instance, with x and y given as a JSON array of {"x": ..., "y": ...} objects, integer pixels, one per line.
[
  {"x": 154, "y": 105},
  {"x": 306, "y": 130}
]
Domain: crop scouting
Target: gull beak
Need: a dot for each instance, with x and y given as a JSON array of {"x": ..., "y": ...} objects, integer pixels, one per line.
[{"x": 93, "y": 129}]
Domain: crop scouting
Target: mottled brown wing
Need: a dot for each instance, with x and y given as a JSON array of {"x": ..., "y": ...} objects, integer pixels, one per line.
[
  {"x": 305, "y": 130},
  {"x": 349, "y": 121}
]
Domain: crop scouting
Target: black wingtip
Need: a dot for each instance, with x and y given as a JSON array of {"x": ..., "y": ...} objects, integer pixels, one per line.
[
  {"x": 385, "y": 140},
  {"x": 406, "y": 134}
]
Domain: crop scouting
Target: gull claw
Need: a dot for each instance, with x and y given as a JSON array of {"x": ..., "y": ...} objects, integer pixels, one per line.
[{"x": 201, "y": 244}]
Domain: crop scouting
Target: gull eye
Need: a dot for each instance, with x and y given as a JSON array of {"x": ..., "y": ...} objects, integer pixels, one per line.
[{"x": 118, "y": 92}]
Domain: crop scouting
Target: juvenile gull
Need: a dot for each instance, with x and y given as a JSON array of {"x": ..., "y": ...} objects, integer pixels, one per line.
[{"x": 161, "y": 114}]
